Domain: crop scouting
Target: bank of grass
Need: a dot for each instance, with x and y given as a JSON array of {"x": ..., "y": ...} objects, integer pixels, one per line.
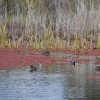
[{"x": 49, "y": 42}]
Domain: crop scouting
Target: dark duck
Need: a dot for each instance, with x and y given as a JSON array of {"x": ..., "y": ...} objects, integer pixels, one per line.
[{"x": 73, "y": 63}]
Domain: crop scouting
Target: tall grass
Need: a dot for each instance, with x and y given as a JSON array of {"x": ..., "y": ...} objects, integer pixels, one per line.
[{"x": 49, "y": 24}]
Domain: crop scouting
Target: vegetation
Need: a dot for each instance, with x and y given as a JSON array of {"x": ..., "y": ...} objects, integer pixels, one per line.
[{"x": 50, "y": 24}]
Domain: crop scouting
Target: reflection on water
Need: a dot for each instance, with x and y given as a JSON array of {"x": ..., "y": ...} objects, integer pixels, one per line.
[{"x": 54, "y": 83}]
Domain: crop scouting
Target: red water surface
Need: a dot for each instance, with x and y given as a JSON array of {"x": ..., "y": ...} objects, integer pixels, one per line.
[
  {"x": 83, "y": 60},
  {"x": 93, "y": 78},
  {"x": 15, "y": 58},
  {"x": 94, "y": 52}
]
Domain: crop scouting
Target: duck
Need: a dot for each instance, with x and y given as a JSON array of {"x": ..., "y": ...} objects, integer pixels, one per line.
[
  {"x": 97, "y": 68},
  {"x": 36, "y": 67},
  {"x": 45, "y": 52},
  {"x": 33, "y": 68},
  {"x": 98, "y": 58},
  {"x": 73, "y": 63}
]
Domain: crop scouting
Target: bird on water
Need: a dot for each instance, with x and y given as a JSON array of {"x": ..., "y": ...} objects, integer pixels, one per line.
[
  {"x": 73, "y": 63},
  {"x": 35, "y": 67},
  {"x": 97, "y": 68},
  {"x": 45, "y": 52}
]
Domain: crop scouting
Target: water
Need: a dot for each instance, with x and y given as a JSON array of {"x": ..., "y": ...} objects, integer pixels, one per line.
[{"x": 60, "y": 82}]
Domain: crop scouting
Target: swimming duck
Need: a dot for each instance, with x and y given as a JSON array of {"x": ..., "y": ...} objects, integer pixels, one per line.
[
  {"x": 32, "y": 68},
  {"x": 73, "y": 63},
  {"x": 97, "y": 68},
  {"x": 35, "y": 67},
  {"x": 98, "y": 58},
  {"x": 45, "y": 52}
]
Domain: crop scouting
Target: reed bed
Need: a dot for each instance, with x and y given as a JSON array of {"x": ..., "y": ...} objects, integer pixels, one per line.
[{"x": 50, "y": 24}]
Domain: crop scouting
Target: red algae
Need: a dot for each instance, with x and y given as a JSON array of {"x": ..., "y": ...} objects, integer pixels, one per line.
[
  {"x": 10, "y": 58},
  {"x": 94, "y": 52},
  {"x": 98, "y": 74},
  {"x": 22, "y": 57},
  {"x": 92, "y": 78},
  {"x": 83, "y": 60},
  {"x": 97, "y": 63}
]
